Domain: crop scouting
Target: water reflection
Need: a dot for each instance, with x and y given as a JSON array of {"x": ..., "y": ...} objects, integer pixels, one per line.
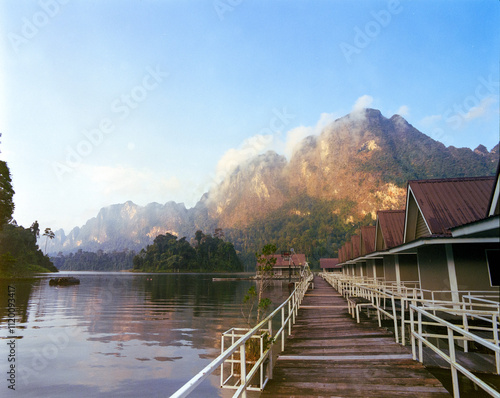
[{"x": 119, "y": 334}]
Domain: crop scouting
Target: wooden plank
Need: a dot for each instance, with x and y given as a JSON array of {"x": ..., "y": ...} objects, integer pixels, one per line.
[
  {"x": 333, "y": 358},
  {"x": 329, "y": 354}
]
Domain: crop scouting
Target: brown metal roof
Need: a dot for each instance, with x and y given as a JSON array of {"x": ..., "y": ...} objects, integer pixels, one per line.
[
  {"x": 356, "y": 245},
  {"x": 297, "y": 259},
  {"x": 448, "y": 203},
  {"x": 367, "y": 240},
  {"x": 329, "y": 263},
  {"x": 343, "y": 254},
  {"x": 348, "y": 250},
  {"x": 392, "y": 225}
]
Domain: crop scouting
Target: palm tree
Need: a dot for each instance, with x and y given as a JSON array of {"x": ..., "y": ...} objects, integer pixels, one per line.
[{"x": 49, "y": 234}]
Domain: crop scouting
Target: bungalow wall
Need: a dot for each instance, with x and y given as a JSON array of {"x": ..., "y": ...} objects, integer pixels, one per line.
[
  {"x": 379, "y": 268},
  {"x": 472, "y": 268},
  {"x": 389, "y": 268},
  {"x": 433, "y": 270},
  {"x": 360, "y": 268},
  {"x": 408, "y": 267},
  {"x": 370, "y": 271}
]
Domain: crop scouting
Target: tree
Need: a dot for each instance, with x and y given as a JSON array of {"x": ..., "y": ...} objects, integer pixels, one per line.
[
  {"x": 6, "y": 194},
  {"x": 265, "y": 265},
  {"x": 49, "y": 234},
  {"x": 35, "y": 229}
]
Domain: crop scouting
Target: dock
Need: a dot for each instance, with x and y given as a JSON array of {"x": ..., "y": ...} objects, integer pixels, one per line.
[{"x": 330, "y": 354}]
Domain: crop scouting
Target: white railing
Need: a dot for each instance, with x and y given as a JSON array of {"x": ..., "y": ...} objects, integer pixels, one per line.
[
  {"x": 475, "y": 318},
  {"x": 454, "y": 335},
  {"x": 234, "y": 356}
]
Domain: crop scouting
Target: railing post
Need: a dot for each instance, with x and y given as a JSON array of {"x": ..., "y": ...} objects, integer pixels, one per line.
[
  {"x": 282, "y": 329},
  {"x": 222, "y": 364},
  {"x": 420, "y": 347},
  {"x": 394, "y": 314},
  {"x": 270, "y": 365},
  {"x": 289, "y": 318},
  {"x": 243, "y": 369},
  {"x": 403, "y": 334},
  {"x": 454, "y": 372},
  {"x": 412, "y": 327},
  {"x": 496, "y": 318}
]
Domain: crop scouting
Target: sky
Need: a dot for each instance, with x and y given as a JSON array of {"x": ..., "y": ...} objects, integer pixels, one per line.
[{"x": 102, "y": 102}]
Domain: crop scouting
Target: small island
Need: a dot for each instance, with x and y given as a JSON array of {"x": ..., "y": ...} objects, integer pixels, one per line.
[
  {"x": 64, "y": 281},
  {"x": 206, "y": 253}
]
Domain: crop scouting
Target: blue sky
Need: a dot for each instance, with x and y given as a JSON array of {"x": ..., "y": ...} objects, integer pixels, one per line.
[{"x": 107, "y": 101}]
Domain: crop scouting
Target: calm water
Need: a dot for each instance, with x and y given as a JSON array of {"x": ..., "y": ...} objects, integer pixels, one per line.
[{"x": 119, "y": 334}]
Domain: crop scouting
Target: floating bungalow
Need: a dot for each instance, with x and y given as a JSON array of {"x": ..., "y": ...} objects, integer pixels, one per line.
[
  {"x": 330, "y": 265},
  {"x": 446, "y": 239},
  {"x": 289, "y": 264}
]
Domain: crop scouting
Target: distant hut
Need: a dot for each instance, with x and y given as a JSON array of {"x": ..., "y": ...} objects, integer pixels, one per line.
[{"x": 330, "y": 265}]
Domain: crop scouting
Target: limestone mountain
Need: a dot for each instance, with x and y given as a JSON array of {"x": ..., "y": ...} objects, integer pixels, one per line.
[
  {"x": 358, "y": 164},
  {"x": 362, "y": 157}
]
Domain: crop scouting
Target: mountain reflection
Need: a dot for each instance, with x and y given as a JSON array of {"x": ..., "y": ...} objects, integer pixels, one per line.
[{"x": 114, "y": 331}]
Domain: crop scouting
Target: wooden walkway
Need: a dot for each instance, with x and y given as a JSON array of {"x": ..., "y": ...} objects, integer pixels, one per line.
[{"x": 330, "y": 355}]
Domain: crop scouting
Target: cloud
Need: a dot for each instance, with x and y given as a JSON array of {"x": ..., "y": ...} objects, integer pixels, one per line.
[
  {"x": 119, "y": 182},
  {"x": 361, "y": 103},
  {"x": 261, "y": 143},
  {"x": 250, "y": 148},
  {"x": 431, "y": 120},
  {"x": 481, "y": 109},
  {"x": 295, "y": 136},
  {"x": 403, "y": 111}
]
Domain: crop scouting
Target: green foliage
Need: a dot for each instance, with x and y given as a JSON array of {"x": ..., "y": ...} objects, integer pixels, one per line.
[
  {"x": 6, "y": 194},
  {"x": 315, "y": 227},
  {"x": 19, "y": 253},
  {"x": 90, "y": 261},
  {"x": 254, "y": 297},
  {"x": 169, "y": 254},
  {"x": 411, "y": 155}
]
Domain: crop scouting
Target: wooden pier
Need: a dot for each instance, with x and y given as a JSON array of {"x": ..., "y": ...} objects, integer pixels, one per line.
[{"x": 329, "y": 354}]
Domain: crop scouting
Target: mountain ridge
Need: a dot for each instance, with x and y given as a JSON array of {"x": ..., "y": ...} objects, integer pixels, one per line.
[{"x": 362, "y": 157}]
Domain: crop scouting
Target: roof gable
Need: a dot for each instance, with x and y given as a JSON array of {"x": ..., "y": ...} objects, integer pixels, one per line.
[
  {"x": 296, "y": 259},
  {"x": 435, "y": 206},
  {"x": 367, "y": 240},
  {"x": 348, "y": 250},
  {"x": 494, "y": 207},
  {"x": 329, "y": 263},
  {"x": 356, "y": 243},
  {"x": 389, "y": 229}
]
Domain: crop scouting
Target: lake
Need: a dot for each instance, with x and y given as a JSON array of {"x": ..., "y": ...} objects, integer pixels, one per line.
[{"x": 119, "y": 334}]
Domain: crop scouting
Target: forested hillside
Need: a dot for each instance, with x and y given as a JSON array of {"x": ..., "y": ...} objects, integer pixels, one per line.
[
  {"x": 90, "y": 261},
  {"x": 19, "y": 252}
]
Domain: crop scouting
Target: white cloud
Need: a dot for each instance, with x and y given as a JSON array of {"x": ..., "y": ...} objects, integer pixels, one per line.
[
  {"x": 361, "y": 103},
  {"x": 481, "y": 109},
  {"x": 120, "y": 183},
  {"x": 403, "y": 110},
  {"x": 261, "y": 143},
  {"x": 250, "y": 148},
  {"x": 431, "y": 120},
  {"x": 294, "y": 137},
  {"x": 297, "y": 134}
]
